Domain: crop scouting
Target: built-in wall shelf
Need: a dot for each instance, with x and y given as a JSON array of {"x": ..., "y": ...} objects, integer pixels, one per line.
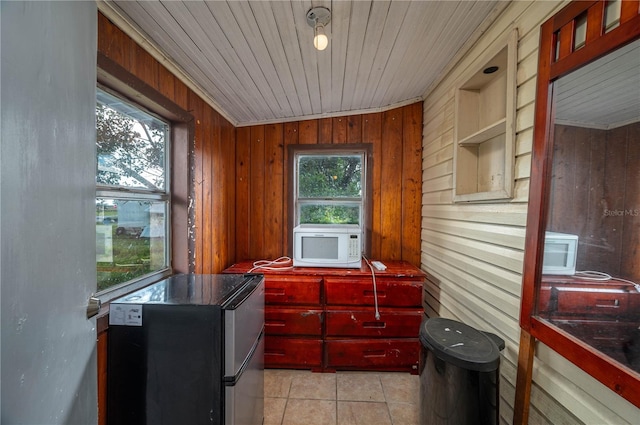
[
  {"x": 488, "y": 132},
  {"x": 484, "y": 129}
]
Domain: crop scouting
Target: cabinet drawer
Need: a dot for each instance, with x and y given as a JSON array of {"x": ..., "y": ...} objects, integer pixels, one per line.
[
  {"x": 359, "y": 291},
  {"x": 384, "y": 354},
  {"x": 292, "y": 290},
  {"x": 592, "y": 303},
  {"x": 292, "y": 352},
  {"x": 292, "y": 321},
  {"x": 392, "y": 323},
  {"x": 586, "y": 301}
]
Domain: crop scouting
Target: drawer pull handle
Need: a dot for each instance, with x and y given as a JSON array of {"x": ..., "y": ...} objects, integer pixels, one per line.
[
  {"x": 374, "y": 325},
  {"x": 274, "y": 353},
  {"x": 369, "y": 293},
  {"x": 274, "y": 291},
  {"x": 374, "y": 353},
  {"x": 603, "y": 303},
  {"x": 274, "y": 322}
]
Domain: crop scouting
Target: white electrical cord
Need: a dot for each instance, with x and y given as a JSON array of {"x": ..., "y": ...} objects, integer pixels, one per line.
[
  {"x": 602, "y": 277},
  {"x": 282, "y": 263},
  {"x": 375, "y": 289}
]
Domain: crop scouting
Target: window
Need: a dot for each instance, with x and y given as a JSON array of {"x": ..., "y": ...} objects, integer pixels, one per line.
[
  {"x": 132, "y": 196},
  {"x": 330, "y": 187}
]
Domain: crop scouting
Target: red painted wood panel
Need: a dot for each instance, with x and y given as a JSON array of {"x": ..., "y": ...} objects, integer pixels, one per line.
[
  {"x": 361, "y": 322},
  {"x": 257, "y": 198},
  {"x": 411, "y": 182},
  {"x": 397, "y": 162},
  {"x": 372, "y": 133},
  {"x": 228, "y": 174},
  {"x": 354, "y": 129},
  {"x": 628, "y": 10},
  {"x": 217, "y": 215},
  {"x": 290, "y": 138},
  {"x": 144, "y": 66},
  {"x": 325, "y": 131},
  {"x": 339, "y": 130},
  {"x": 391, "y": 180},
  {"x": 274, "y": 193},
  {"x": 387, "y": 354},
  {"x": 308, "y": 132},
  {"x": 293, "y": 321},
  {"x": 243, "y": 190},
  {"x": 114, "y": 43},
  {"x": 360, "y": 291},
  {"x": 294, "y": 353},
  {"x": 166, "y": 82},
  {"x": 300, "y": 290}
]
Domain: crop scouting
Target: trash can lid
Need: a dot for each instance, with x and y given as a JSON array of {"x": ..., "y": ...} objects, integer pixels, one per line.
[{"x": 460, "y": 344}]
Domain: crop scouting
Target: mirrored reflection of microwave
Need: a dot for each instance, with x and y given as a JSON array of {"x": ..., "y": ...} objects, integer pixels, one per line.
[
  {"x": 560, "y": 253},
  {"x": 327, "y": 245}
]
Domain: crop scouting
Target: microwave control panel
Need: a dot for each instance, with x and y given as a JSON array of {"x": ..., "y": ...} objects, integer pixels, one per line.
[{"x": 354, "y": 247}]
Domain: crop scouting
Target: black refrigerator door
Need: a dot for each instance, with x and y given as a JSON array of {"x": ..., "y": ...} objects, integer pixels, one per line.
[{"x": 167, "y": 371}]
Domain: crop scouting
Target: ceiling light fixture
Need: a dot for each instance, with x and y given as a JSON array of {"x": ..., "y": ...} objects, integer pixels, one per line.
[{"x": 317, "y": 18}]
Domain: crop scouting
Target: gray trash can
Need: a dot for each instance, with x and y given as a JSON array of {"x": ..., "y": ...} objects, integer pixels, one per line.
[{"x": 459, "y": 374}]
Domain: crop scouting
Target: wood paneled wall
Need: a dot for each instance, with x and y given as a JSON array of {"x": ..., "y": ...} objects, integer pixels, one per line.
[
  {"x": 240, "y": 191},
  {"x": 595, "y": 196},
  {"x": 213, "y": 230},
  {"x": 261, "y": 182}
]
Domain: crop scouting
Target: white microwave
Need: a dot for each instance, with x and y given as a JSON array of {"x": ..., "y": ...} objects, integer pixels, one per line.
[
  {"x": 327, "y": 245},
  {"x": 560, "y": 253}
]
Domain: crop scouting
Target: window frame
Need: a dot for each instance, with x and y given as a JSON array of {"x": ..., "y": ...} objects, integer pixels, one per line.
[
  {"x": 111, "y": 76},
  {"x": 144, "y": 195},
  {"x": 364, "y": 149}
]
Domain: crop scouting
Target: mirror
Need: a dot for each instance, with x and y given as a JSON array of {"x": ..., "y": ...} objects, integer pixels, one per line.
[
  {"x": 582, "y": 251},
  {"x": 590, "y": 284}
]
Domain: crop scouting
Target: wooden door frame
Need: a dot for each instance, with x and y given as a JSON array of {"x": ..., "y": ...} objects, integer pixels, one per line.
[{"x": 558, "y": 57}]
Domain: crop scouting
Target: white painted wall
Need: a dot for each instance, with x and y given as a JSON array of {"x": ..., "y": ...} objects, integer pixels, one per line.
[{"x": 475, "y": 252}]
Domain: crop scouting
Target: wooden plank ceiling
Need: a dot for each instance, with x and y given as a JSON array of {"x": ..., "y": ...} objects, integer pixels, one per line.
[
  {"x": 604, "y": 94},
  {"x": 256, "y": 61}
]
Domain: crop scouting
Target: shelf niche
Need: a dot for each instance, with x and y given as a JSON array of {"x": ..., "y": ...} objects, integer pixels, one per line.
[{"x": 484, "y": 130}]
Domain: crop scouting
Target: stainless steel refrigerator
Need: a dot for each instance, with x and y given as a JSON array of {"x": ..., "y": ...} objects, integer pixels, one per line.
[{"x": 188, "y": 350}]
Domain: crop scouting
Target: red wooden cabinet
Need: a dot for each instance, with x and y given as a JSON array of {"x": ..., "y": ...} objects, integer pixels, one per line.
[
  {"x": 292, "y": 352},
  {"x": 356, "y": 339},
  {"x": 393, "y": 323},
  {"x": 292, "y": 321},
  {"x": 323, "y": 319},
  {"x": 372, "y": 354},
  {"x": 601, "y": 313},
  {"x": 396, "y": 292},
  {"x": 292, "y": 290},
  {"x": 573, "y": 297}
]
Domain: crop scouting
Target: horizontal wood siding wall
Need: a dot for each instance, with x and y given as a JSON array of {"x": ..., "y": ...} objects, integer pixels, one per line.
[
  {"x": 261, "y": 180},
  {"x": 213, "y": 156},
  {"x": 473, "y": 253}
]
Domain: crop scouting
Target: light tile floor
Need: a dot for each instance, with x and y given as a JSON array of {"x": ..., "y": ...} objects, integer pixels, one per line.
[{"x": 295, "y": 397}]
